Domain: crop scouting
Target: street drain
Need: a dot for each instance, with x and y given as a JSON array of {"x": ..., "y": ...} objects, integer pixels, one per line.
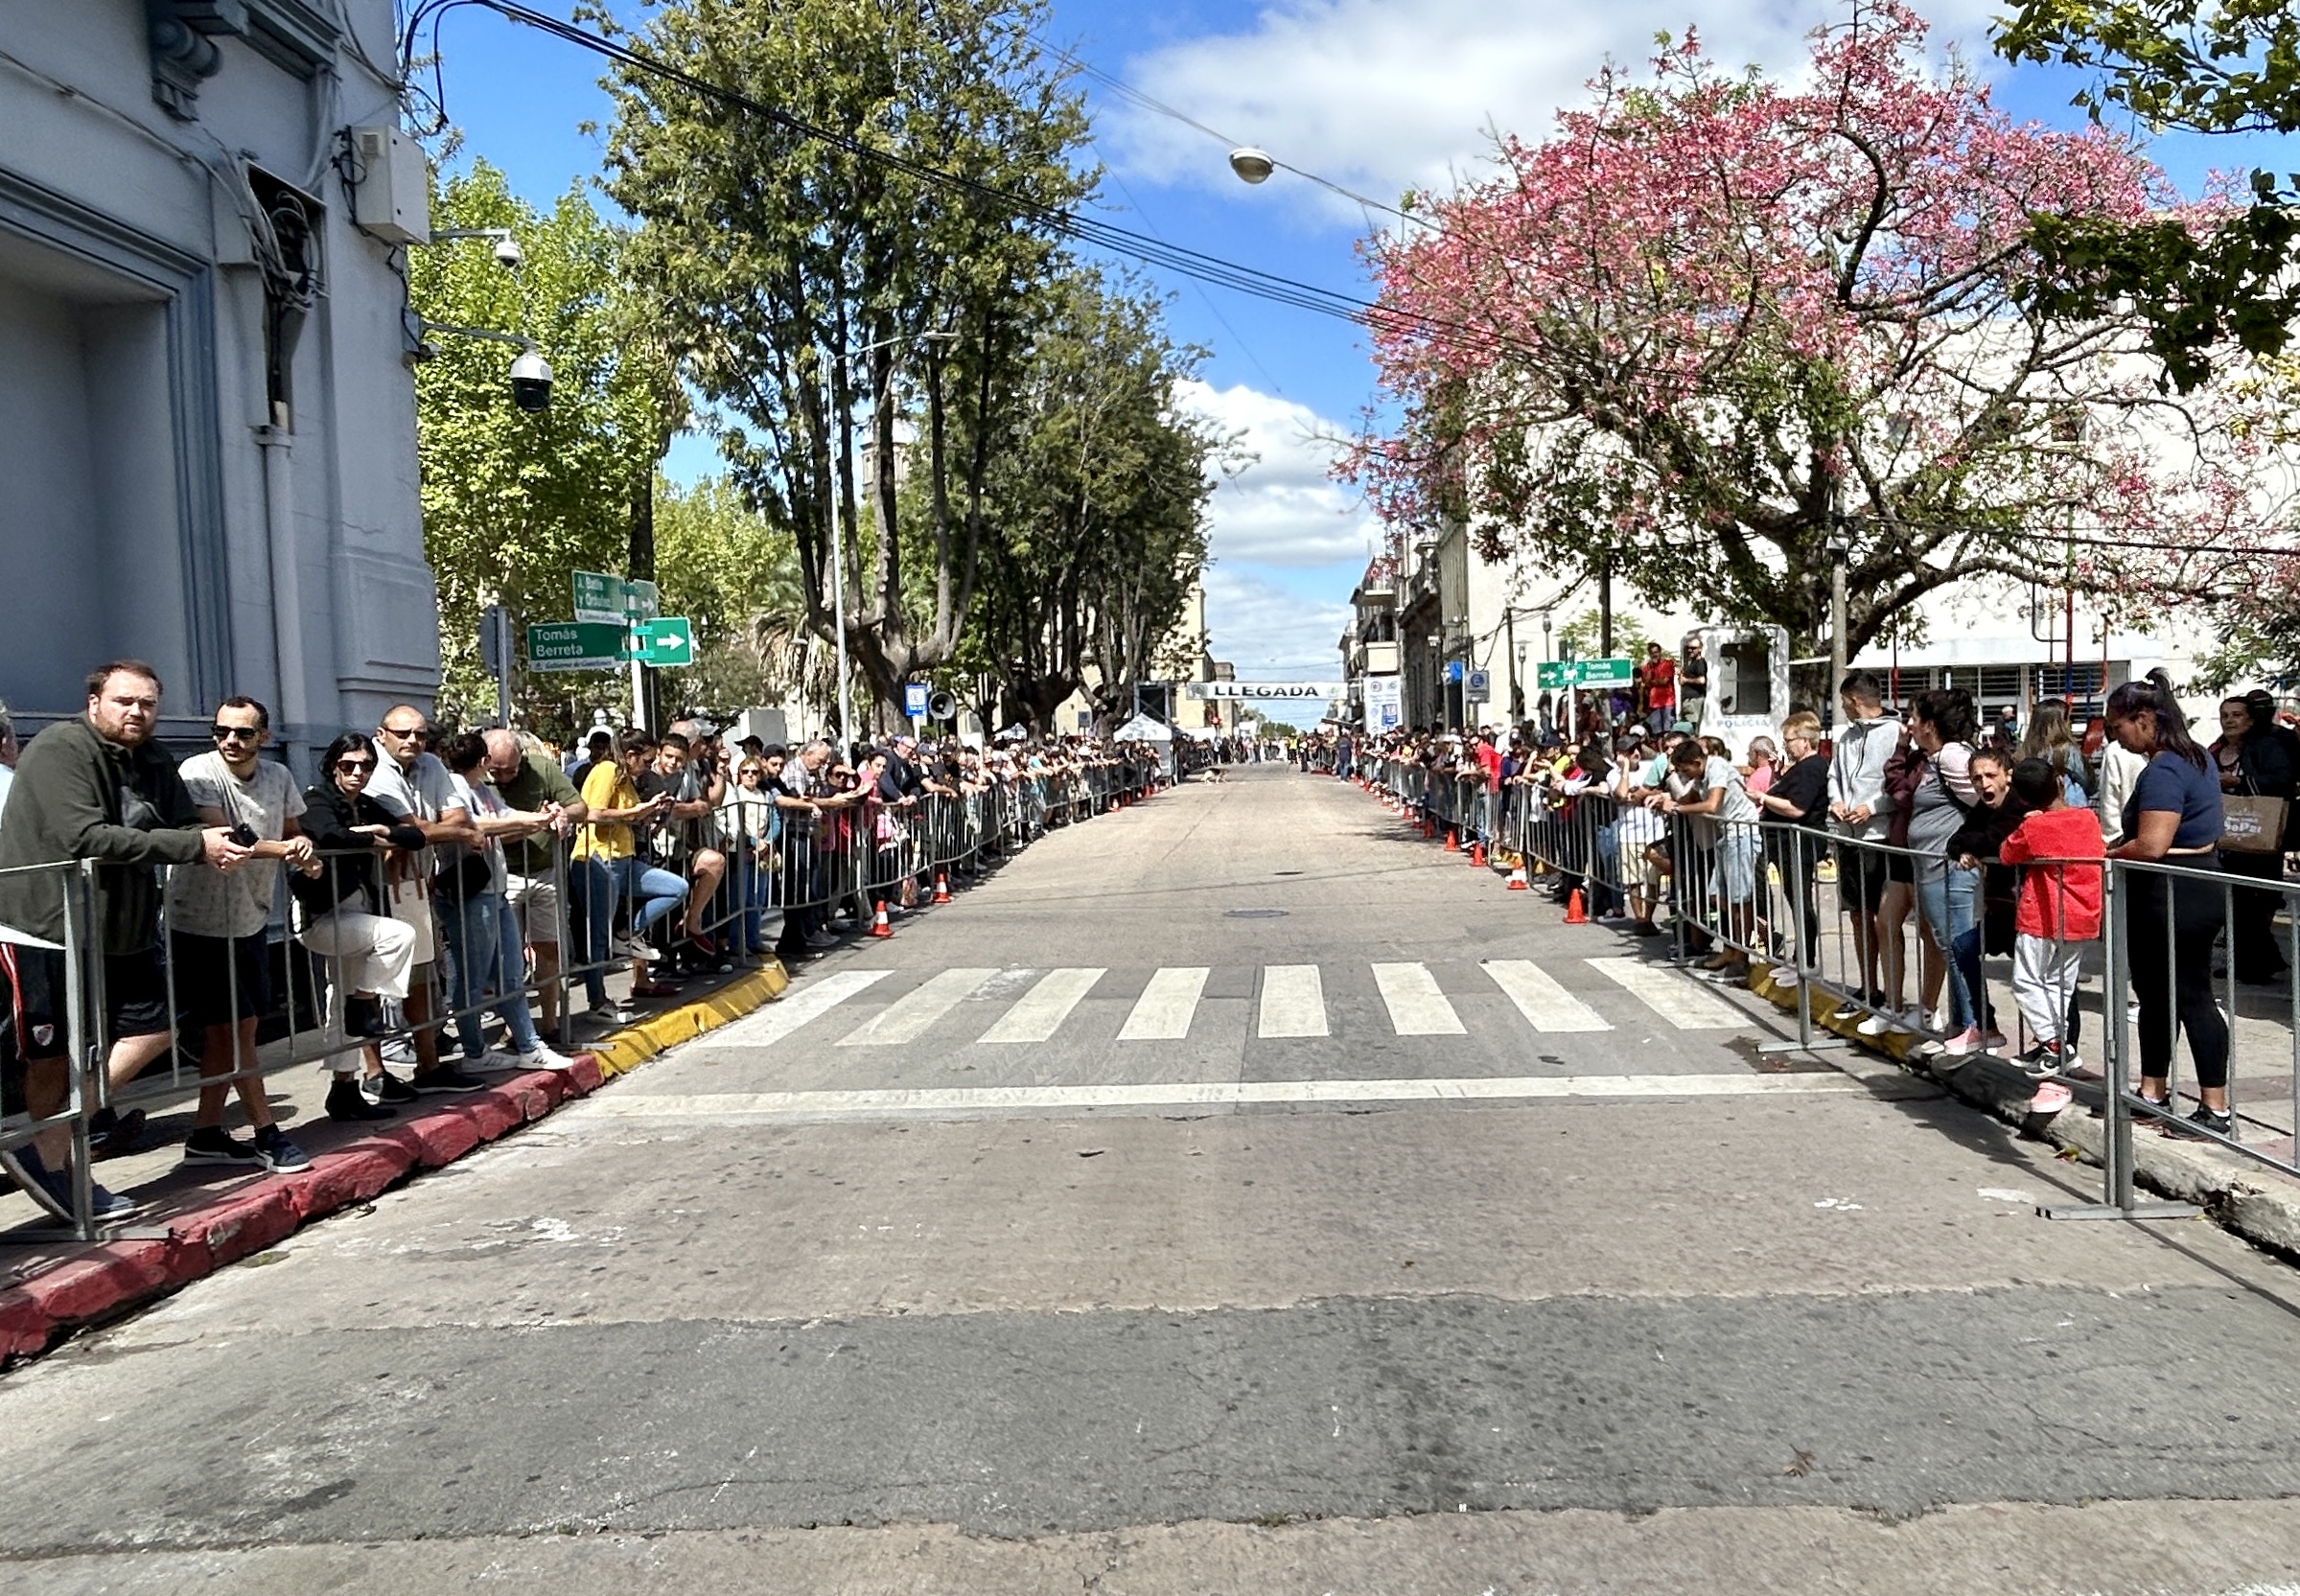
[
  {"x": 1257, "y": 914},
  {"x": 1286, "y": 872}
]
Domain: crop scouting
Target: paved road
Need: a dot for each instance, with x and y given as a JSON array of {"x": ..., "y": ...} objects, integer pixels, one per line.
[{"x": 1232, "y": 1195}]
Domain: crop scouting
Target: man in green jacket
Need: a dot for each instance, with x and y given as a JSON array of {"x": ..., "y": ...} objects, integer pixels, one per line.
[{"x": 94, "y": 788}]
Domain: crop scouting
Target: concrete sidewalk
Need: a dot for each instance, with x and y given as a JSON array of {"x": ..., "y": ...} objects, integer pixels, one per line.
[{"x": 199, "y": 1217}]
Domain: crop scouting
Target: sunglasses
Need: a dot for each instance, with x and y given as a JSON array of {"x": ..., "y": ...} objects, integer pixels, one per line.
[
  {"x": 234, "y": 733},
  {"x": 355, "y": 766},
  {"x": 415, "y": 734}
]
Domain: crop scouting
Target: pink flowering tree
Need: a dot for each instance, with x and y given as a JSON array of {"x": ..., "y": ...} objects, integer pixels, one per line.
[{"x": 1714, "y": 312}]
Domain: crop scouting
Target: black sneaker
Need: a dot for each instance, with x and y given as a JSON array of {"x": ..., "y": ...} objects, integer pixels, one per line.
[
  {"x": 280, "y": 1155},
  {"x": 2042, "y": 1062},
  {"x": 214, "y": 1145},
  {"x": 347, "y": 1102},
  {"x": 112, "y": 1134},
  {"x": 446, "y": 1078},
  {"x": 2204, "y": 1120},
  {"x": 391, "y": 1088}
]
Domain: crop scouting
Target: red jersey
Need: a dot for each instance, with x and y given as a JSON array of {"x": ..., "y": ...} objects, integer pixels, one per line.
[
  {"x": 1660, "y": 683},
  {"x": 2059, "y": 902}
]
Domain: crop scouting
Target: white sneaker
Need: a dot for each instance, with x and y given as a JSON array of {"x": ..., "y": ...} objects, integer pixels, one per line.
[
  {"x": 1786, "y": 975},
  {"x": 1876, "y": 1025},
  {"x": 541, "y": 1057},
  {"x": 646, "y": 952}
]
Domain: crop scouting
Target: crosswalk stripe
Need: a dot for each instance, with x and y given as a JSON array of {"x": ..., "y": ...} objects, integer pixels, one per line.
[
  {"x": 907, "y": 1017},
  {"x": 727, "y": 1107},
  {"x": 1162, "y": 1011},
  {"x": 1670, "y": 994},
  {"x": 1541, "y": 998},
  {"x": 1039, "y": 1012},
  {"x": 1293, "y": 1001},
  {"x": 1416, "y": 1007},
  {"x": 763, "y": 1027}
]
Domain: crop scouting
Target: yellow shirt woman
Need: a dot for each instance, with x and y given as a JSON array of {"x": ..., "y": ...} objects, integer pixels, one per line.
[{"x": 608, "y": 786}]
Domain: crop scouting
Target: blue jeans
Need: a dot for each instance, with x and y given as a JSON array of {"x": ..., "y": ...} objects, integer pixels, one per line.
[
  {"x": 600, "y": 883},
  {"x": 1949, "y": 898},
  {"x": 485, "y": 933}
]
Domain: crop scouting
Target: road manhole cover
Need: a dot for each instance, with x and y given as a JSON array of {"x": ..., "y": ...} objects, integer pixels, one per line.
[{"x": 1257, "y": 914}]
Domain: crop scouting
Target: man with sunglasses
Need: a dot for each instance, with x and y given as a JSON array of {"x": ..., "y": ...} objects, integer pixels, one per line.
[
  {"x": 416, "y": 787},
  {"x": 217, "y": 940},
  {"x": 95, "y": 788}
]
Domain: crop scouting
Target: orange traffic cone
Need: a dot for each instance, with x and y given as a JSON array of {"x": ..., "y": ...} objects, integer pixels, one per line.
[
  {"x": 1478, "y": 854},
  {"x": 1575, "y": 914},
  {"x": 941, "y": 888},
  {"x": 1453, "y": 841},
  {"x": 1517, "y": 880},
  {"x": 878, "y": 922}
]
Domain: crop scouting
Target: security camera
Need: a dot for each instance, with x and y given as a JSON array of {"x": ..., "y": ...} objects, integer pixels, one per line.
[
  {"x": 531, "y": 382},
  {"x": 506, "y": 253}
]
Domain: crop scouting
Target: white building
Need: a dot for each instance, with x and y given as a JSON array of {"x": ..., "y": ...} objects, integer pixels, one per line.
[{"x": 207, "y": 430}]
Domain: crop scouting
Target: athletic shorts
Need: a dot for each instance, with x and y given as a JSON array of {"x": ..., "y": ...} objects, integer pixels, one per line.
[
  {"x": 1861, "y": 877},
  {"x": 222, "y": 979},
  {"x": 135, "y": 997}
]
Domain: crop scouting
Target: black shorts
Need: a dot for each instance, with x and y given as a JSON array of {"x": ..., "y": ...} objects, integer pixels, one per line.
[
  {"x": 222, "y": 979},
  {"x": 135, "y": 997},
  {"x": 1861, "y": 877}
]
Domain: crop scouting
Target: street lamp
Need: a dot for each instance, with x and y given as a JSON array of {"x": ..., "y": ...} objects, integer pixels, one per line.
[
  {"x": 1252, "y": 166},
  {"x": 838, "y": 548}
]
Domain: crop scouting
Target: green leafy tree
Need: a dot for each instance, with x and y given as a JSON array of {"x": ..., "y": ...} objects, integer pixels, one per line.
[
  {"x": 512, "y": 503},
  {"x": 2208, "y": 66},
  {"x": 1097, "y": 504},
  {"x": 808, "y": 283},
  {"x": 736, "y": 574}
]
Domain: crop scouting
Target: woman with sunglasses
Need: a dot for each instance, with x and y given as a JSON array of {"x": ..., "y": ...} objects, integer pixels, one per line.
[{"x": 343, "y": 918}]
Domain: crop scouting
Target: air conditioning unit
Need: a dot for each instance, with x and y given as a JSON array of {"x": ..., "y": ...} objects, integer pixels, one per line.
[{"x": 391, "y": 187}]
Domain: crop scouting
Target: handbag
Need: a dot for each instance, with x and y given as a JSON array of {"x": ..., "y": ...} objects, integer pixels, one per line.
[{"x": 2250, "y": 823}]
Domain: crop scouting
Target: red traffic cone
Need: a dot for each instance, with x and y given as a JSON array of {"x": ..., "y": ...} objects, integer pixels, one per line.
[
  {"x": 1517, "y": 880},
  {"x": 1478, "y": 854},
  {"x": 941, "y": 888},
  {"x": 1453, "y": 841},
  {"x": 1575, "y": 914},
  {"x": 878, "y": 922}
]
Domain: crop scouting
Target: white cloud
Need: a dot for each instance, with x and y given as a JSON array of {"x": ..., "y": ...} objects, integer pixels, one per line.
[
  {"x": 1284, "y": 509},
  {"x": 1382, "y": 95},
  {"x": 1272, "y": 634}
]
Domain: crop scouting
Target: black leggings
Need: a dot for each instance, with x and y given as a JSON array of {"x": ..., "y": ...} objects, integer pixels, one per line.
[{"x": 2187, "y": 924}]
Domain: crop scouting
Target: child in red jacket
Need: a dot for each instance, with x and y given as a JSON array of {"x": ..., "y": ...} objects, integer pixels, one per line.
[{"x": 2058, "y": 912}]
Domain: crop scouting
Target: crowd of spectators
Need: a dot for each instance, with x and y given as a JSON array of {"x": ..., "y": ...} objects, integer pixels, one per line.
[
  {"x": 447, "y": 887},
  {"x": 1950, "y": 838}
]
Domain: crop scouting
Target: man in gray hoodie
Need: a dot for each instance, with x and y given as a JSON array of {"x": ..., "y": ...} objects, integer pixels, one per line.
[{"x": 1860, "y": 809}]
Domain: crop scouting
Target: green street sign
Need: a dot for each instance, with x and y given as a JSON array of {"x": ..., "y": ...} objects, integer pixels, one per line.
[
  {"x": 600, "y": 597},
  {"x": 576, "y": 646},
  {"x": 667, "y": 642},
  {"x": 1584, "y": 673}
]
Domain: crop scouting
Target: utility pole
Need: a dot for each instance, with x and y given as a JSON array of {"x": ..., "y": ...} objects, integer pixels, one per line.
[
  {"x": 642, "y": 570},
  {"x": 1605, "y": 606},
  {"x": 1840, "y": 547}
]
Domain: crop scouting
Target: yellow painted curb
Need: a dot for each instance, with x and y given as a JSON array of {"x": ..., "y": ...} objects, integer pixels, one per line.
[
  {"x": 1895, "y": 1045},
  {"x": 633, "y": 1044}
]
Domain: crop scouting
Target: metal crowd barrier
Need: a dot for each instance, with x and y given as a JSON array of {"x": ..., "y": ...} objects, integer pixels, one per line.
[
  {"x": 1782, "y": 896},
  {"x": 873, "y": 850}
]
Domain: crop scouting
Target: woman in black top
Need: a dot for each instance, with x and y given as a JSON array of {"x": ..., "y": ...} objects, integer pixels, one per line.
[
  {"x": 2251, "y": 761},
  {"x": 343, "y": 916},
  {"x": 1795, "y": 825}
]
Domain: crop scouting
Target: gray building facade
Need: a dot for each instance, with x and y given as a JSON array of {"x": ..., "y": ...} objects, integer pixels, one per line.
[{"x": 207, "y": 427}]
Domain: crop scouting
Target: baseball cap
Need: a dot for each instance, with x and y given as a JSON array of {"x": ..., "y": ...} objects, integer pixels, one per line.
[{"x": 1684, "y": 729}]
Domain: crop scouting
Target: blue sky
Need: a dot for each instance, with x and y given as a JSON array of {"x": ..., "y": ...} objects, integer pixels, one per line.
[{"x": 1373, "y": 95}]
